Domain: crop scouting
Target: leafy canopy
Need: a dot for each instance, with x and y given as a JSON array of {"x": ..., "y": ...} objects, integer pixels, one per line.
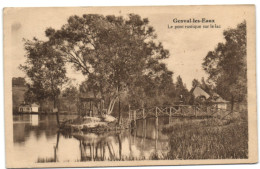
[
  {"x": 226, "y": 65},
  {"x": 117, "y": 55},
  {"x": 45, "y": 68}
]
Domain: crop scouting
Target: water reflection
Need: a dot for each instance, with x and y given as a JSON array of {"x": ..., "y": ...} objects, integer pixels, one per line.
[{"x": 36, "y": 139}]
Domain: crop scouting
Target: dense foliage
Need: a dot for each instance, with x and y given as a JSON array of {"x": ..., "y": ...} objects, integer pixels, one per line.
[
  {"x": 227, "y": 67},
  {"x": 119, "y": 56},
  {"x": 46, "y": 70}
]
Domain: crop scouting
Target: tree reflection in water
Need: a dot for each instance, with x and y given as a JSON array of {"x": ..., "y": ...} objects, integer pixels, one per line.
[
  {"x": 143, "y": 143},
  {"x": 97, "y": 147},
  {"x": 36, "y": 139},
  {"x": 113, "y": 146}
]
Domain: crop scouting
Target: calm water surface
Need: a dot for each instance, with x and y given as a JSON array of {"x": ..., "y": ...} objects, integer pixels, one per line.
[{"x": 36, "y": 139}]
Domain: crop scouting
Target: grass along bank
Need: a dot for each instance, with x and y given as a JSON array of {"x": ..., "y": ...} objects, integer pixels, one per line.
[{"x": 209, "y": 139}]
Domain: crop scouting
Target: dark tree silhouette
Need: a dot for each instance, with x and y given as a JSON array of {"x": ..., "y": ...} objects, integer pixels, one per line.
[{"x": 226, "y": 65}]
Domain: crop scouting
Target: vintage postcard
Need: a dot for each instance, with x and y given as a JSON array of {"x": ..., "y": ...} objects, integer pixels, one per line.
[{"x": 130, "y": 86}]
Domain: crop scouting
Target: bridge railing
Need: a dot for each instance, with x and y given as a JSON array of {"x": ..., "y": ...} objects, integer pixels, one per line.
[
  {"x": 143, "y": 113},
  {"x": 176, "y": 110}
]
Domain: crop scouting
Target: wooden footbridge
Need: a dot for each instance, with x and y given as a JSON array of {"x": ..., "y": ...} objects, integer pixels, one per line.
[{"x": 178, "y": 111}]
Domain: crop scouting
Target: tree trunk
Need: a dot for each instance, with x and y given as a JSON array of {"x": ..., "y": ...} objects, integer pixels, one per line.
[
  {"x": 111, "y": 106},
  {"x": 58, "y": 139},
  {"x": 56, "y": 147},
  {"x": 119, "y": 106},
  {"x": 120, "y": 146},
  {"x": 119, "y": 112},
  {"x": 57, "y": 112}
]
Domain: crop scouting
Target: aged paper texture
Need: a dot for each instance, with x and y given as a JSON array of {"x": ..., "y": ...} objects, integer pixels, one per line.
[{"x": 130, "y": 86}]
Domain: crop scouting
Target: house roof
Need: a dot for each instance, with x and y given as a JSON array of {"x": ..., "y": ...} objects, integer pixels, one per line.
[
  {"x": 218, "y": 99},
  {"x": 197, "y": 92},
  {"x": 24, "y": 105},
  {"x": 34, "y": 105},
  {"x": 29, "y": 105}
]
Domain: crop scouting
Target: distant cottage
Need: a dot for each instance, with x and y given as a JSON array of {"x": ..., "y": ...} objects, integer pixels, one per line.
[
  {"x": 28, "y": 108},
  {"x": 219, "y": 101},
  {"x": 214, "y": 98},
  {"x": 200, "y": 93}
]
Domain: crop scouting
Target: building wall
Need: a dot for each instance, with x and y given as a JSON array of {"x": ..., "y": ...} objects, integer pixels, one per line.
[
  {"x": 35, "y": 109},
  {"x": 28, "y": 109},
  {"x": 222, "y": 106},
  {"x": 24, "y": 109}
]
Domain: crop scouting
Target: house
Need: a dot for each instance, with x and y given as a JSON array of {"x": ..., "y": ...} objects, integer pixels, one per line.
[
  {"x": 213, "y": 98},
  {"x": 28, "y": 108},
  {"x": 218, "y": 101}
]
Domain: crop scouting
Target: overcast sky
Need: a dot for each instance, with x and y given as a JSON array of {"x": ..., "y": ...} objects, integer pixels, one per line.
[{"x": 187, "y": 47}]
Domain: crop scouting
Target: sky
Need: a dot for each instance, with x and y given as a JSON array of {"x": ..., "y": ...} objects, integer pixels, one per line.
[{"x": 187, "y": 47}]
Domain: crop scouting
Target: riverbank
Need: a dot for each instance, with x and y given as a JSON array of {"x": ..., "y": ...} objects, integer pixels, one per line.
[{"x": 208, "y": 139}]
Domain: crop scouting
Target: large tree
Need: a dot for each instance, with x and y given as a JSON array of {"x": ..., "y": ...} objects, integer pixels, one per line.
[
  {"x": 46, "y": 70},
  {"x": 226, "y": 65},
  {"x": 112, "y": 51}
]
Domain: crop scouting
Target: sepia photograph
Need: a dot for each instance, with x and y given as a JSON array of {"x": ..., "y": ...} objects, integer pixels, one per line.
[{"x": 130, "y": 86}]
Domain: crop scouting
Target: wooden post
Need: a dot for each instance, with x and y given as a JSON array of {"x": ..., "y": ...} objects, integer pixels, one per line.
[
  {"x": 143, "y": 110},
  {"x": 156, "y": 115},
  {"x": 143, "y": 114},
  {"x": 157, "y": 121},
  {"x": 129, "y": 112},
  {"x": 195, "y": 111},
  {"x": 131, "y": 119},
  {"x": 90, "y": 108},
  {"x": 130, "y": 143},
  {"x": 135, "y": 130},
  {"x": 156, "y": 134},
  {"x": 144, "y": 128},
  {"x": 135, "y": 117},
  {"x": 170, "y": 115}
]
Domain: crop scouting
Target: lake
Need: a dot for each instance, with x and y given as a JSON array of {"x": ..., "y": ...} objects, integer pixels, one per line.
[{"x": 36, "y": 139}]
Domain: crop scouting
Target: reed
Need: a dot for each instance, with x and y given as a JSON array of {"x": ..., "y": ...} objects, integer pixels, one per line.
[{"x": 208, "y": 139}]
